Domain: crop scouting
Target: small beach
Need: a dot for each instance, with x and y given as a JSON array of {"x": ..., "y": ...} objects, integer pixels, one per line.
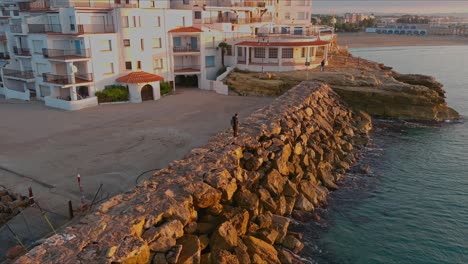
[{"x": 365, "y": 40}]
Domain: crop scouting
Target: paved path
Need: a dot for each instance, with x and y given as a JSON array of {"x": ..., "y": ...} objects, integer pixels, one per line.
[{"x": 45, "y": 148}]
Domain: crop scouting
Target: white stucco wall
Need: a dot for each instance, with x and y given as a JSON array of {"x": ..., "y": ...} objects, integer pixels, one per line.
[
  {"x": 134, "y": 90},
  {"x": 70, "y": 105},
  {"x": 11, "y": 94}
]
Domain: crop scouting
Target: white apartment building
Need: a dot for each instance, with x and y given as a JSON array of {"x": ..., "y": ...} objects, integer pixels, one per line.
[{"x": 63, "y": 51}]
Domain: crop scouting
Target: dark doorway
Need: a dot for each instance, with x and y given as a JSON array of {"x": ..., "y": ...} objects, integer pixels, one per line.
[
  {"x": 187, "y": 81},
  {"x": 83, "y": 92},
  {"x": 147, "y": 93}
]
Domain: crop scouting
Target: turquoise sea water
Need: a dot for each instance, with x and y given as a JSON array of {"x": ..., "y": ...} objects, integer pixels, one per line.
[{"x": 413, "y": 206}]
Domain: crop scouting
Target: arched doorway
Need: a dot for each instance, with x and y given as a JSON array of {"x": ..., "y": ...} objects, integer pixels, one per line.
[{"x": 147, "y": 93}]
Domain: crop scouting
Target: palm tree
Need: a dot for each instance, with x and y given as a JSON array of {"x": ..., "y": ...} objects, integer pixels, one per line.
[{"x": 223, "y": 46}]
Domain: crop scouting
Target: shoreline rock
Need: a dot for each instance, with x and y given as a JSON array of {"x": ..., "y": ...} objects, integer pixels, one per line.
[{"x": 229, "y": 201}]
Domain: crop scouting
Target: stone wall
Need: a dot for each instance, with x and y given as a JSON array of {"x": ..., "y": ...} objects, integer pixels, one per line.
[
  {"x": 229, "y": 200},
  {"x": 10, "y": 204}
]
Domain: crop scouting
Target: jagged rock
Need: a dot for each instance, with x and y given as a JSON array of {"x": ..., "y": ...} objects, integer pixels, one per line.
[
  {"x": 274, "y": 182},
  {"x": 191, "y": 251},
  {"x": 266, "y": 200},
  {"x": 164, "y": 237},
  {"x": 281, "y": 225},
  {"x": 220, "y": 256},
  {"x": 303, "y": 204},
  {"x": 241, "y": 252},
  {"x": 290, "y": 202},
  {"x": 239, "y": 220},
  {"x": 244, "y": 198},
  {"x": 287, "y": 257},
  {"x": 204, "y": 241},
  {"x": 267, "y": 235},
  {"x": 290, "y": 189},
  {"x": 205, "y": 228},
  {"x": 281, "y": 161},
  {"x": 204, "y": 195},
  {"x": 132, "y": 251},
  {"x": 324, "y": 173},
  {"x": 172, "y": 256},
  {"x": 159, "y": 258},
  {"x": 264, "y": 220},
  {"x": 259, "y": 250},
  {"x": 293, "y": 244},
  {"x": 222, "y": 180},
  {"x": 225, "y": 237}
]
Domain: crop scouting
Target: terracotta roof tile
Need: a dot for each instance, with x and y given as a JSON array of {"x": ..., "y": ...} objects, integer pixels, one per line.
[
  {"x": 186, "y": 30},
  {"x": 283, "y": 44},
  {"x": 139, "y": 77}
]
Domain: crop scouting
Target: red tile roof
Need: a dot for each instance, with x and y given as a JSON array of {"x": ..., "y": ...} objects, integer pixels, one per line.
[
  {"x": 139, "y": 77},
  {"x": 186, "y": 30},
  {"x": 283, "y": 44}
]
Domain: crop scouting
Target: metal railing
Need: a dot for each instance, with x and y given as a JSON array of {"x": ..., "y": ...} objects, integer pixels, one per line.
[
  {"x": 21, "y": 51},
  {"x": 2, "y": 37},
  {"x": 250, "y": 4},
  {"x": 186, "y": 67},
  {"x": 4, "y": 56},
  {"x": 18, "y": 74},
  {"x": 58, "y": 53},
  {"x": 186, "y": 49},
  {"x": 33, "y": 6},
  {"x": 44, "y": 28},
  {"x": 96, "y": 28},
  {"x": 16, "y": 28},
  {"x": 67, "y": 79},
  {"x": 81, "y": 3},
  {"x": 232, "y": 20}
]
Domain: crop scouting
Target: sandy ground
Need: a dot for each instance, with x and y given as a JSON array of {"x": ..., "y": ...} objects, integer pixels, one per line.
[
  {"x": 363, "y": 40},
  {"x": 112, "y": 144}
]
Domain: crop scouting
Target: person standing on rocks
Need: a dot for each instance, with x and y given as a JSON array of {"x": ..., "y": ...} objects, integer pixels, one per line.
[
  {"x": 235, "y": 124},
  {"x": 322, "y": 65}
]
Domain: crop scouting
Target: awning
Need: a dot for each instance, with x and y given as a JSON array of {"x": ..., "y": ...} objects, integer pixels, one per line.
[
  {"x": 139, "y": 77},
  {"x": 186, "y": 30}
]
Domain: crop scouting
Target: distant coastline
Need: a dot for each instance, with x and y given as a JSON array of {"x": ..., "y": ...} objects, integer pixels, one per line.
[{"x": 368, "y": 40}]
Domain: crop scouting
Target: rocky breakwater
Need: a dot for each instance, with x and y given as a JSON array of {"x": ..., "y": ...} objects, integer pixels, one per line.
[
  {"x": 228, "y": 201},
  {"x": 11, "y": 204}
]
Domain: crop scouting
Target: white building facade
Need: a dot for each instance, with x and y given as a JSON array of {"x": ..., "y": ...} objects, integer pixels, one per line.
[{"x": 63, "y": 51}]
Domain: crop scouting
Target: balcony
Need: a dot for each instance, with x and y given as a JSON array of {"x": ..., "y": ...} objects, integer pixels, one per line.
[
  {"x": 95, "y": 28},
  {"x": 67, "y": 79},
  {"x": 250, "y": 4},
  {"x": 21, "y": 51},
  {"x": 236, "y": 20},
  {"x": 186, "y": 68},
  {"x": 45, "y": 28},
  {"x": 16, "y": 28},
  {"x": 60, "y": 54},
  {"x": 186, "y": 49},
  {"x": 33, "y": 6},
  {"x": 4, "y": 56},
  {"x": 3, "y": 37},
  {"x": 24, "y": 75}
]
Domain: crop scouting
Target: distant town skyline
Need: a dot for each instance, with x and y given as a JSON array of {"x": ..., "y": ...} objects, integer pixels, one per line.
[{"x": 389, "y": 6}]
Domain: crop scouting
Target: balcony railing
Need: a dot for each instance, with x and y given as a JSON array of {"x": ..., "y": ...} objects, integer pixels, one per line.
[
  {"x": 18, "y": 74},
  {"x": 250, "y": 4},
  {"x": 3, "y": 37},
  {"x": 33, "y": 6},
  {"x": 45, "y": 28},
  {"x": 4, "y": 56},
  {"x": 186, "y": 68},
  {"x": 21, "y": 51},
  {"x": 186, "y": 49},
  {"x": 66, "y": 54},
  {"x": 96, "y": 28},
  {"x": 16, "y": 28},
  {"x": 66, "y": 79},
  {"x": 237, "y": 20}
]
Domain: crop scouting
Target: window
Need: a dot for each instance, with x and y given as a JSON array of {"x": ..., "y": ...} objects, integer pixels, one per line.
[
  {"x": 45, "y": 90},
  {"x": 128, "y": 65},
  {"x": 125, "y": 22},
  {"x": 183, "y": 21},
  {"x": 158, "y": 21},
  {"x": 287, "y": 53},
  {"x": 142, "y": 44},
  {"x": 259, "y": 52},
  {"x": 186, "y": 2},
  {"x": 117, "y": 2},
  {"x": 197, "y": 14},
  {"x": 134, "y": 21},
  {"x": 239, "y": 51},
  {"x": 210, "y": 61},
  {"x": 157, "y": 63},
  {"x": 157, "y": 43},
  {"x": 40, "y": 69},
  {"x": 303, "y": 52},
  {"x": 273, "y": 53},
  {"x": 177, "y": 42},
  {"x": 229, "y": 50},
  {"x": 139, "y": 65},
  {"x": 287, "y": 15},
  {"x": 126, "y": 42},
  {"x": 108, "y": 68},
  {"x": 287, "y": 2},
  {"x": 106, "y": 45},
  {"x": 152, "y": 4}
]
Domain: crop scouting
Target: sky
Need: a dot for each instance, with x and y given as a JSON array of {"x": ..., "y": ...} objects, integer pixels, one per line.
[{"x": 389, "y": 6}]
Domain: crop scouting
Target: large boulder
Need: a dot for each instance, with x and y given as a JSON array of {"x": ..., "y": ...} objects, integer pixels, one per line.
[{"x": 260, "y": 250}]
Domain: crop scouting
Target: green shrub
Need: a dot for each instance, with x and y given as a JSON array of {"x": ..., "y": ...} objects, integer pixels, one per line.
[
  {"x": 113, "y": 93},
  {"x": 221, "y": 71},
  {"x": 165, "y": 88}
]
